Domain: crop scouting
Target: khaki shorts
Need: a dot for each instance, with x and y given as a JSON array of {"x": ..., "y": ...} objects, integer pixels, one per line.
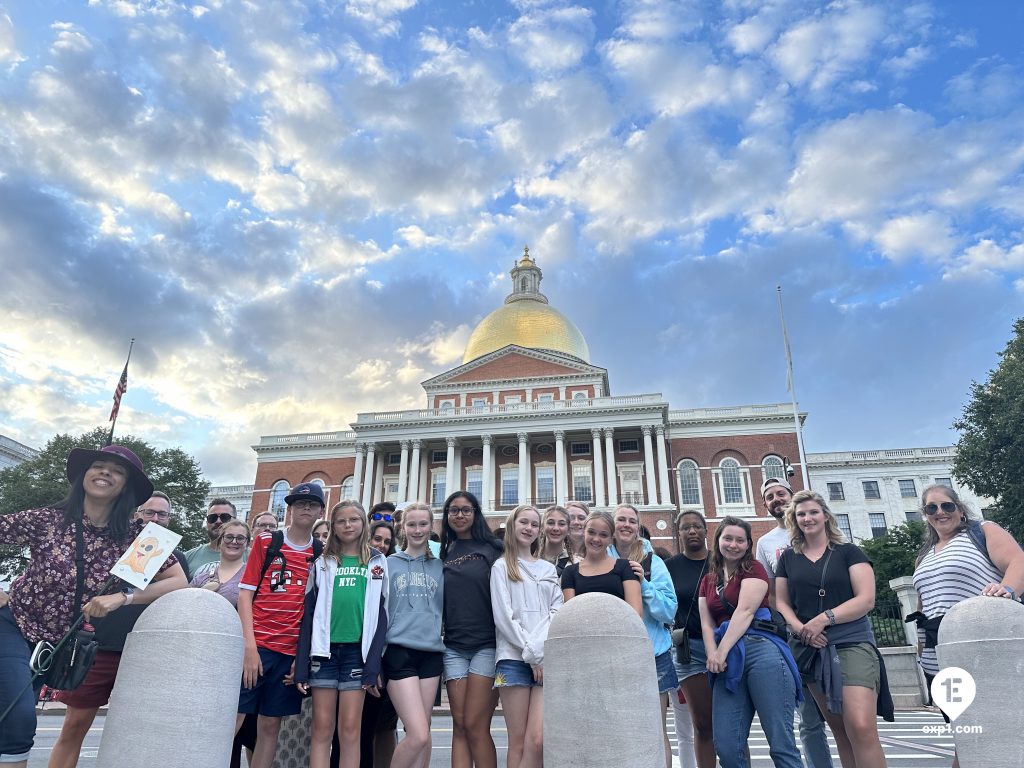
[{"x": 860, "y": 666}]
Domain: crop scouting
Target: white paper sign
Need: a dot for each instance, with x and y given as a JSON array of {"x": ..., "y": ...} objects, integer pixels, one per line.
[{"x": 147, "y": 553}]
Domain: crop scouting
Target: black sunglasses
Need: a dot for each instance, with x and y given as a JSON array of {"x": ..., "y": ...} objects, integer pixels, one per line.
[
  {"x": 947, "y": 506},
  {"x": 223, "y": 517},
  {"x": 378, "y": 516}
]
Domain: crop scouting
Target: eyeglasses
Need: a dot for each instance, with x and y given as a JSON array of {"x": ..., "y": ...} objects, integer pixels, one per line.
[
  {"x": 379, "y": 516},
  {"x": 154, "y": 513},
  {"x": 306, "y": 505},
  {"x": 460, "y": 511},
  {"x": 223, "y": 517},
  {"x": 947, "y": 506},
  {"x": 234, "y": 539}
]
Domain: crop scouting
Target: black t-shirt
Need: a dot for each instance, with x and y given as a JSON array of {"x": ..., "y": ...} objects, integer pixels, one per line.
[
  {"x": 686, "y": 575},
  {"x": 468, "y": 616},
  {"x": 804, "y": 579},
  {"x": 609, "y": 583}
]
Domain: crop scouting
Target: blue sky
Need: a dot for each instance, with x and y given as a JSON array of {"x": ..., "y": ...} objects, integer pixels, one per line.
[{"x": 300, "y": 210}]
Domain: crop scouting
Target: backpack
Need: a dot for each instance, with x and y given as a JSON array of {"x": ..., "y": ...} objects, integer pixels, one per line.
[{"x": 274, "y": 552}]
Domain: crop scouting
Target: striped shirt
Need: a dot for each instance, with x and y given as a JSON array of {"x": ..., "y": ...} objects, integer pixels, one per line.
[
  {"x": 957, "y": 572},
  {"x": 277, "y": 608}
]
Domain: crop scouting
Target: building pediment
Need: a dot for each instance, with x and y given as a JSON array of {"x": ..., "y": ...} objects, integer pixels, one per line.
[{"x": 511, "y": 363}]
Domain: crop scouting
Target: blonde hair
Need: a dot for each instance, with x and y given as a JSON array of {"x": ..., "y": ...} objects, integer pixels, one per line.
[
  {"x": 511, "y": 554},
  {"x": 603, "y": 516},
  {"x": 566, "y": 548},
  {"x": 333, "y": 546},
  {"x": 581, "y": 505},
  {"x": 236, "y": 524},
  {"x": 796, "y": 536},
  {"x": 418, "y": 506},
  {"x": 636, "y": 547}
]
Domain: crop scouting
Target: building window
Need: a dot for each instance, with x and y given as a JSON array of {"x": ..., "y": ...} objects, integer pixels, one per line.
[
  {"x": 475, "y": 483},
  {"x": 732, "y": 482},
  {"x": 513, "y": 399},
  {"x": 871, "y": 489},
  {"x": 478, "y": 403},
  {"x": 348, "y": 487},
  {"x": 545, "y": 485},
  {"x": 547, "y": 397},
  {"x": 580, "y": 394},
  {"x": 509, "y": 486},
  {"x": 394, "y": 459},
  {"x": 325, "y": 489},
  {"x": 907, "y": 489},
  {"x": 447, "y": 405},
  {"x": 772, "y": 466},
  {"x": 946, "y": 481},
  {"x": 438, "y": 457},
  {"x": 689, "y": 483},
  {"x": 835, "y": 492},
  {"x": 631, "y": 485},
  {"x": 277, "y": 494},
  {"x": 582, "y": 486},
  {"x": 629, "y": 446},
  {"x": 391, "y": 490},
  {"x": 437, "y": 489},
  {"x": 844, "y": 526},
  {"x": 579, "y": 449},
  {"x": 913, "y": 516},
  {"x": 877, "y": 521}
]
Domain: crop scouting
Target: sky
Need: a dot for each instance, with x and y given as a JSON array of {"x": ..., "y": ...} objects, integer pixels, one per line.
[{"x": 300, "y": 210}]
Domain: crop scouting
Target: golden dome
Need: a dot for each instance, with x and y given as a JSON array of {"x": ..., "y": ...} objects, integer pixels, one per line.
[
  {"x": 526, "y": 320},
  {"x": 531, "y": 324}
]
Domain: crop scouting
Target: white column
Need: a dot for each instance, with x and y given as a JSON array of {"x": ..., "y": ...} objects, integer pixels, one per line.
[
  {"x": 424, "y": 478},
  {"x": 378, "y": 480},
  {"x": 357, "y": 474},
  {"x": 403, "y": 471},
  {"x": 598, "y": 469},
  {"x": 486, "y": 485},
  {"x": 524, "y": 466},
  {"x": 613, "y": 482},
  {"x": 371, "y": 449},
  {"x": 560, "y": 484},
  {"x": 413, "y": 492},
  {"x": 664, "y": 496},
  {"x": 652, "y": 489},
  {"x": 449, "y": 467}
]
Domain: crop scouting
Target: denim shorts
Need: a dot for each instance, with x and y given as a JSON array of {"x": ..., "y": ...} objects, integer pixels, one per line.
[
  {"x": 459, "y": 664},
  {"x": 509, "y": 673},
  {"x": 698, "y": 661},
  {"x": 342, "y": 672},
  {"x": 667, "y": 680}
]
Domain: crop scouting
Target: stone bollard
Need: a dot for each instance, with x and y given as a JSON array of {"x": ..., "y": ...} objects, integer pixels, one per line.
[
  {"x": 176, "y": 693},
  {"x": 985, "y": 636},
  {"x": 601, "y": 702}
]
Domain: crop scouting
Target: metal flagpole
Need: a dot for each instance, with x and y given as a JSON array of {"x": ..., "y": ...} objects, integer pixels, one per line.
[
  {"x": 122, "y": 387},
  {"x": 792, "y": 390}
]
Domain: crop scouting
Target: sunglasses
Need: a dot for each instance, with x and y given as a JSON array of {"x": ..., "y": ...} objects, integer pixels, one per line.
[
  {"x": 222, "y": 517},
  {"x": 947, "y": 506},
  {"x": 378, "y": 516}
]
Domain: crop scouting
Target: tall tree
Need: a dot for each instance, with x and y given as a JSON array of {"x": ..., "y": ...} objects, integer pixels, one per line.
[
  {"x": 43, "y": 480},
  {"x": 990, "y": 453},
  {"x": 893, "y": 555}
]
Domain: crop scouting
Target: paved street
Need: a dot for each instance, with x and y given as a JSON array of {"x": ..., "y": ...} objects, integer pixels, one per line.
[{"x": 906, "y": 745}]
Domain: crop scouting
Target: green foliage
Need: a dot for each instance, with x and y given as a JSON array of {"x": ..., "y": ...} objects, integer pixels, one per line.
[
  {"x": 990, "y": 453},
  {"x": 43, "y": 480},
  {"x": 893, "y": 555}
]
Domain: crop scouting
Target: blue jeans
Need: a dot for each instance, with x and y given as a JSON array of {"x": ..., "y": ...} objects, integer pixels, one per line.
[
  {"x": 18, "y": 731},
  {"x": 813, "y": 737},
  {"x": 766, "y": 687}
]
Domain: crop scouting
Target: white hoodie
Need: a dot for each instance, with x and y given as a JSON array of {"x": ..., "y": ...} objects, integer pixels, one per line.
[{"x": 523, "y": 609}]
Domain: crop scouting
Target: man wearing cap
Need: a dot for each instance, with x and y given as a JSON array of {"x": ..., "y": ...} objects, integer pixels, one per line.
[
  {"x": 270, "y": 604},
  {"x": 777, "y": 493},
  {"x": 220, "y": 511}
]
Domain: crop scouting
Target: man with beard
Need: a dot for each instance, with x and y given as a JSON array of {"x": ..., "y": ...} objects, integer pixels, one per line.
[
  {"x": 777, "y": 494},
  {"x": 220, "y": 511}
]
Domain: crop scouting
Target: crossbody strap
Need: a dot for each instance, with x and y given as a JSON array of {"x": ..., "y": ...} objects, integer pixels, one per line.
[
  {"x": 821, "y": 585},
  {"x": 79, "y": 565},
  {"x": 696, "y": 589}
]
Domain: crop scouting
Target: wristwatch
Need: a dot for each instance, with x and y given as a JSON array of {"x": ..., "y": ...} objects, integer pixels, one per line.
[
  {"x": 129, "y": 594},
  {"x": 831, "y": 617}
]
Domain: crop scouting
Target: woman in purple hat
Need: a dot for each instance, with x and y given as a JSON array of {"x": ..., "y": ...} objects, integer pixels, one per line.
[{"x": 96, "y": 517}]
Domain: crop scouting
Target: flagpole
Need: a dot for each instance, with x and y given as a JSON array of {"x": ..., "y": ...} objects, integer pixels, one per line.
[
  {"x": 122, "y": 387},
  {"x": 791, "y": 386}
]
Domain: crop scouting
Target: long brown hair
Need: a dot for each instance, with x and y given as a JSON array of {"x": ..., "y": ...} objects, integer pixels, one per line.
[
  {"x": 931, "y": 538},
  {"x": 511, "y": 553},
  {"x": 718, "y": 562},
  {"x": 333, "y": 546},
  {"x": 543, "y": 539}
]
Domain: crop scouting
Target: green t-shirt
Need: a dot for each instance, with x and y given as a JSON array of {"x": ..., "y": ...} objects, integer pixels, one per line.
[{"x": 347, "y": 601}]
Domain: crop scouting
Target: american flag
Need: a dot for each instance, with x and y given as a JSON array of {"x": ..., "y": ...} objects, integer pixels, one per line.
[{"x": 122, "y": 387}]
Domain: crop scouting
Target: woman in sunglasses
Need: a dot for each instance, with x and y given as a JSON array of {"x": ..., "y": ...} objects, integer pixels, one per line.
[
  {"x": 953, "y": 565},
  {"x": 222, "y": 577}
]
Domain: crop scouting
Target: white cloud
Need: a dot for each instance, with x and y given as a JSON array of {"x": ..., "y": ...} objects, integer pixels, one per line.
[
  {"x": 8, "y": 44},
  {"x": 553, "y": 39},
  {"x": 928, "y": 235},
  {"x": 987, "y": 257}
]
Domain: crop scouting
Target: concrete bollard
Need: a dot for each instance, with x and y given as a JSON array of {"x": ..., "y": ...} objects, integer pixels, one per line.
[
  {"x": 985, "y": 636},
  {"x": 176, "y": 693},
  {"x": 601, "y": 702}
]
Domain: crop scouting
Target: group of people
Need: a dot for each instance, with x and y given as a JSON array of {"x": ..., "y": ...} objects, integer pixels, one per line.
[{"x": 366, "y": 615}]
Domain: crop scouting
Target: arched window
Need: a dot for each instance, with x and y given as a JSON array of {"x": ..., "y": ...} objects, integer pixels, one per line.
[
  {"x": 689, "y": 483},
  {"x": 522, "y": 285},
  {"x": 348, "y": 487},
  {"x": 772, "y": 466},
  {"x": 324, "y": 488},
  {"x": 732, "y": 483},
  {"x": 277, "y": 494}
]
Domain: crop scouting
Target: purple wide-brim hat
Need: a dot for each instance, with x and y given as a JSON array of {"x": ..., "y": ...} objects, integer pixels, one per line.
[{"x": 80, "y": 459}]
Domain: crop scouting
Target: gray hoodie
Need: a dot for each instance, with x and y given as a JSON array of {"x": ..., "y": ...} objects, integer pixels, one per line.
[{"x": 416, "y": 602}]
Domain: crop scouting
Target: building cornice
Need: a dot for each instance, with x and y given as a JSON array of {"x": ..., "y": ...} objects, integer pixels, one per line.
[
  {"x": 882, "y": 457},
  {"x": 546, "y": 356}
]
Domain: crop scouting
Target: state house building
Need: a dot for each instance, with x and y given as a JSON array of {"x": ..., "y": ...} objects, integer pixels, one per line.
[{"x": 527, "y": 417}]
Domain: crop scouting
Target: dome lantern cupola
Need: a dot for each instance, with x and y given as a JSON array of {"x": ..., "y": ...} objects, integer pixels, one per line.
[{"x": 526, "y": 277}]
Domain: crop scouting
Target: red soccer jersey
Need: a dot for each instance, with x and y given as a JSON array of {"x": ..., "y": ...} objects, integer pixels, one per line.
[{"x": 277, "y": 607}]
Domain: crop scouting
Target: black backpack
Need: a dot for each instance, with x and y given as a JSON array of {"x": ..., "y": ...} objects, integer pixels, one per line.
[{"x": 274, "y": 552}]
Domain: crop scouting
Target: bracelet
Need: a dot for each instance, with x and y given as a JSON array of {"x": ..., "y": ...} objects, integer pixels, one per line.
[
  {"x": 128, "y": 597},
  {"x": 1013, "y": 594},
  {"x": 830, "y": 616}
]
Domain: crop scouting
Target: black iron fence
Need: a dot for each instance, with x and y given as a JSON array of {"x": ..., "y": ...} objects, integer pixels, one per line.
[{"x": 887, "y": 623}]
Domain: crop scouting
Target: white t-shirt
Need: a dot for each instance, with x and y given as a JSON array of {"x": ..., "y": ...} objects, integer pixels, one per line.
[{"x": 770, "y": 547}]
